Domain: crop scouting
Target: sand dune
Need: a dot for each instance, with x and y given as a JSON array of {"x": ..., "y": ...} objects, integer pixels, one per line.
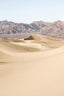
[
  {"x": 32, "y": 67},
  {"x": 13, "y": 46}
]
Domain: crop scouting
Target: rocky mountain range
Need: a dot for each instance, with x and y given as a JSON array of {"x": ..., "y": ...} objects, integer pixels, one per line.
[{"x": 21, "y": 30}]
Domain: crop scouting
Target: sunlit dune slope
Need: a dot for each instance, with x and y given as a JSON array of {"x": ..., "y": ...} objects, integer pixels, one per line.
[
  {"x": 16, "y": 46},
  {"x": 32, "y": 67}
]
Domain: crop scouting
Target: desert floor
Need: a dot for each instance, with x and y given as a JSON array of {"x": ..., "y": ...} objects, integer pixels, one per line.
[{"x": 32, "y": 67}]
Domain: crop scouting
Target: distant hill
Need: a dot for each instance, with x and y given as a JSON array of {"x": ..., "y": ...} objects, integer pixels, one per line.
[{"x": 21, "y": 30}]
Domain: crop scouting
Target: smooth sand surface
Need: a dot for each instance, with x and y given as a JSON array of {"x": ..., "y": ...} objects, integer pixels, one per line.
[{"x": 31, "y": 68}]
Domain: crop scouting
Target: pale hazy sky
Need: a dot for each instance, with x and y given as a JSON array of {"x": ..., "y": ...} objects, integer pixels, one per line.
[{"x": 26, "y": 11}]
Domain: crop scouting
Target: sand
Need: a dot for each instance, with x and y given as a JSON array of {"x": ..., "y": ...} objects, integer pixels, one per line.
[{"x": 32, "y": 67}]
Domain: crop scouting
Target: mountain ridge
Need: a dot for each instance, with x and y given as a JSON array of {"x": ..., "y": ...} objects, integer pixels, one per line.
[{"x": 9, "y": 29}]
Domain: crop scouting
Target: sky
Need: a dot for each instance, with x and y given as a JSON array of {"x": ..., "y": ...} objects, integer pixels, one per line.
[{"x": 27, "y": 11}]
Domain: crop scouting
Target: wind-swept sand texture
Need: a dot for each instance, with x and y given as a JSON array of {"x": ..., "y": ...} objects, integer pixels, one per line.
[{"x": 32, "y": 67}]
